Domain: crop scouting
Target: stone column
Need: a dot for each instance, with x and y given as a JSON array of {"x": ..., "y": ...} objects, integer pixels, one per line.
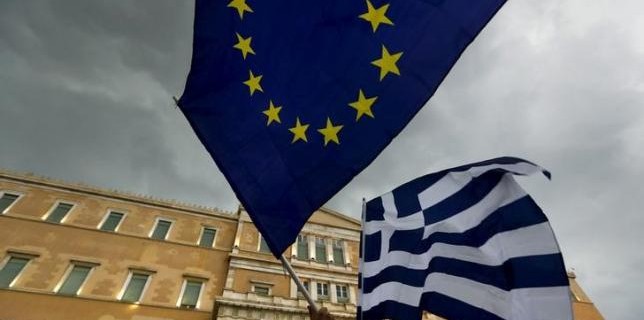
[
  {"x": 329, "y": 249},
  {"x": 312, "y": 254},
  {"x": 313, "y": 289},
  {"x": 345, "y": 252},
  {"x": 332, "y": 295},
  {"x": 294, "y": 249},
  {"x": 293, "y": 289},
  {"x": 230, "y": 278},
  {"x": 238, "y": 236}
]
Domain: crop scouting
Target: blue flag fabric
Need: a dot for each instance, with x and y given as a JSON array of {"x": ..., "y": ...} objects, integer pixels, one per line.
[
  {"x": 293, "y": 98},
  {"x": 462, "y": 243}
]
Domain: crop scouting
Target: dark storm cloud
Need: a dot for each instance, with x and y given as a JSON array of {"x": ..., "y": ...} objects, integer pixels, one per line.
[
  {"x": 566, "y": 94},
  {"x": 86, "y": 92},
  {"x": 87, "y": 89}
]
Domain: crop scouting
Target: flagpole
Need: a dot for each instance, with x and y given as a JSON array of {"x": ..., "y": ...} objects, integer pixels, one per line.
[
  {"x": 361, "y": 279},
  {"x": 298, "y": 282}
]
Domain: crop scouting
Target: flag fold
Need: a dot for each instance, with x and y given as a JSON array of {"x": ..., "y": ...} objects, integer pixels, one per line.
[
  {"x": 462, "y": 243},
  {"x": 293, "y": 98}
]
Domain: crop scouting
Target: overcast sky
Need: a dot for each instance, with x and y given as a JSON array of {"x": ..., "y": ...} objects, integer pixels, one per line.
[{"x": 86, "y": 87}]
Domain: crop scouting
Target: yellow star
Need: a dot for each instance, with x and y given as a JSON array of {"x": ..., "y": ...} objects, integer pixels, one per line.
[
  {"x": 376, "y": 16},
  {"x": 330, "y": 132},
  {"x": 243, "y": 44},
  {"x": 299, "y": 131},
  {"x": 363, "y": 105},
  {"x": 387, "y": 63},
  {"x": 241, "y": 7},
  {"x": 273, "y": 113},
  {"x": 253, "y": 83}
]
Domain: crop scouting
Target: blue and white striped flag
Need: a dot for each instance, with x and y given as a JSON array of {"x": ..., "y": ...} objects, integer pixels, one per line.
[{"x": 463, "y": 243}]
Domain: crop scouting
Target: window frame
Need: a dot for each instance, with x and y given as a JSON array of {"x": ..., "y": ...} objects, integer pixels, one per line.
[
  {"x": 306, "y": 246},
  {"x": 183, "y": 290},
  {"x": 307, "y": 285},
  {"x": 338, "y": 290},
  {"x": 69, "y": 270},
  {"x": 259, "y": 244},
  {"x": 326, "y": 252},
  {"x": 17, "y": 255},
  {"x": 342, "y": 248},
  {"x": 53, "y": 208},
  {"x": 214, "y": 239},
  {"x": 323, "y": 297},
  {"x": 256, "y": 284},
  {"x": 156, "y": 223},
  {"x": 131, "y": 273},
  {"x": 19, "y": 194},
  {"x": 107, "y": 215}
]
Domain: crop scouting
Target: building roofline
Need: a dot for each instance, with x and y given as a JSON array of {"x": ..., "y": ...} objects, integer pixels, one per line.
[
  {"x": 332, "y": 212},
  {"x": 326, "y": 210},
  {"x": 33, "y": 179}
]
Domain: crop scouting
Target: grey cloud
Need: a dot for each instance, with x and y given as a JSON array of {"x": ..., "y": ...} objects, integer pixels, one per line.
[{"x": 565, "y": 95}]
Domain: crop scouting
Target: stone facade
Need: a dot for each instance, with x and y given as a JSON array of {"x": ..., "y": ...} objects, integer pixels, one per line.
[
  {"x": 250, "y": 267},
  {"x": 582, "y": 307},
  {"x": 52, "y": 249},
  {"x": 189, "y": 262},
  {"x": 231, "y": 271}
]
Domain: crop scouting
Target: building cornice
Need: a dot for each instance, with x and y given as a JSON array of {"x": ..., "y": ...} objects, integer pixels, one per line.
[
  {"x": 113, "y": 234},
  {"x": 41, "y": 181},
  {"x": 275, "y": 267},
  {"x": 253, "y": 301},
  {"x": 100, "y": 299},
  {"x": 357, "y": 222}
]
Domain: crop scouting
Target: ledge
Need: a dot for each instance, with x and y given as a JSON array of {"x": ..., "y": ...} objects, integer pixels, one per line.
[
  {"x": 64, "y": 225},
  {"x": 96, "y": 299},
  {"x": 116, "y": 194},
  {"x": 253, "y": 300}
]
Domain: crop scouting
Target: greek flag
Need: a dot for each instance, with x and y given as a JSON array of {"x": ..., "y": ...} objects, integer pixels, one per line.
[{"x": 462, "y": 243}]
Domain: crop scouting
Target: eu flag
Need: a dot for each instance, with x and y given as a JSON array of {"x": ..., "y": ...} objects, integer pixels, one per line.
[{"x": 293, "y": 98}]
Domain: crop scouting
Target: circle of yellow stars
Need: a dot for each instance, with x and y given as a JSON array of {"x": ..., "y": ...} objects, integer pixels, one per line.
[{"x": 387, "y": 63}]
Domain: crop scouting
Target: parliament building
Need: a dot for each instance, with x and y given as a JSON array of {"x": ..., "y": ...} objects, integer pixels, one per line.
[{"x": 70, "y": 251}]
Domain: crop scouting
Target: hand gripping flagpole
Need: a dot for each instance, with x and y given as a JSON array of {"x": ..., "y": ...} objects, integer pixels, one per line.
[{"x": 299, "y": 284}]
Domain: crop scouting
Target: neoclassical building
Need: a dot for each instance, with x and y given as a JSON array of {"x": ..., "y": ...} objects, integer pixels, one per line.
[{"x": 70, "y": 251}]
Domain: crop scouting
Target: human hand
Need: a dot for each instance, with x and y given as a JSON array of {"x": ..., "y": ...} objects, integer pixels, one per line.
[{"x": 322, "y": 314}]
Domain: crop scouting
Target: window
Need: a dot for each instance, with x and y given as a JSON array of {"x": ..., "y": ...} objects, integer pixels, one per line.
[
  {"x": 75, "y": 280},
  {"x": 191, "y": 294},
  {"x": 134, "y": 287},
  {"x": 262, "y": 290},
  {"x": 338, "y": 252},
  {"x": 6, "y": 201},
  {"x": 161, "y": 229},
  {"x": 58, "y": 214},
  {"x": 112, "y": 221},
  {"x": 306, "y": 286},
  {"x": 207, "y": 237},
  {"x": 323, "y": 291},
  {"x": 302, "y": 247},
  {"x": 263, "y": 246},
  {"x": 320, "y": 249},
  {"x": 342, "y": 292},
  {"x": 11, "y": 270}
]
